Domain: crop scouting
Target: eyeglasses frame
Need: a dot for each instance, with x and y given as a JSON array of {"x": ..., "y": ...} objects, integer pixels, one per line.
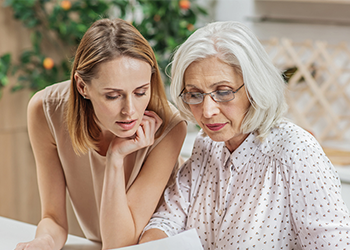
[{"x": 210, "y": 93}]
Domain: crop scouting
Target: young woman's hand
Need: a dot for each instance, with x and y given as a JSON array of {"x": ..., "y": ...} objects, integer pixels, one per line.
[
  {"x": 40, "y": 243},
  {"x": 143, "y": 137}
]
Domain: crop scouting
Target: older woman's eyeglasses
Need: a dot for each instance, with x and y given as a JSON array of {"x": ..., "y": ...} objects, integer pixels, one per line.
[{"x": 218, "y": 96}]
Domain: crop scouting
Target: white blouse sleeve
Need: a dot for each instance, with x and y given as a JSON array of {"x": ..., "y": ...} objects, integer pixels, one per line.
[{"x": 319, "y": 215}]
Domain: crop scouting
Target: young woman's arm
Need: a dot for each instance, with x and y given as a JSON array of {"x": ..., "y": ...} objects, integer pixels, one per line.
[
  {"x": 52, "y": 229},
  {"x": 124, "y": 215},
  {"x": 153, "y": 234}
]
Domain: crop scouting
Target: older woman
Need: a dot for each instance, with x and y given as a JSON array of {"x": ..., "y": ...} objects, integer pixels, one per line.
[
  {"x": 108, "y": 136},
  {"x": 254, "y": 180}
]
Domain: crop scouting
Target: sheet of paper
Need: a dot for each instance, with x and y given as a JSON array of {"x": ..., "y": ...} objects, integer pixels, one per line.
[{"x": 187, "y": 240}]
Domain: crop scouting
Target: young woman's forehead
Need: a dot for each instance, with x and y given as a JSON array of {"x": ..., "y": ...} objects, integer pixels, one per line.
[{"x": 123, "y": 73}]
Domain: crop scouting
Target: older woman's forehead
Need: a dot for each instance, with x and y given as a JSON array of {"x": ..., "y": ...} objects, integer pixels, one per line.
[{"x": 211, "y": 72}]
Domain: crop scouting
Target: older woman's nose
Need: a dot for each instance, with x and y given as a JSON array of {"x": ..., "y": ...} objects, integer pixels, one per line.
[{"x": 209, "y": 107}]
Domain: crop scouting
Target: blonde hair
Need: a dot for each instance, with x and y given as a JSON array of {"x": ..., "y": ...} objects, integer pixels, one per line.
[
  {"x": 237, "y": 46},
  {"x": 104, "y": 41}
]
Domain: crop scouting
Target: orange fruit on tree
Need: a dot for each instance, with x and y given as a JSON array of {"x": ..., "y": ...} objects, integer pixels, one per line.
[
  {"x": 66, "y": 5},
  {"x": 185, "y": 4},
  {"x": 48, "y": 63},
  {"x": 156, "y": 18},
  {"x": 190, "y": 27}
]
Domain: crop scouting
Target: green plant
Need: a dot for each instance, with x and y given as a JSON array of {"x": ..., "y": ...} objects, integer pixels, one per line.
[
  {"x": 4, "y": 68},
  {"x": 57, "y": 26},
  {"x": 167, "y": 24}
]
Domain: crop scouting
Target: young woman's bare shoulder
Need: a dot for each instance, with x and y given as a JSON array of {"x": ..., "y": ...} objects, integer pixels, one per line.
[
  {"x": 35, "y": 105},
  {"x": 36, "y": 119}
]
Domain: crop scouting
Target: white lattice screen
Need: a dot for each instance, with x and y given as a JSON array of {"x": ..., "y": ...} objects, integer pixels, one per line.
[{"x": 319, "y": 87}]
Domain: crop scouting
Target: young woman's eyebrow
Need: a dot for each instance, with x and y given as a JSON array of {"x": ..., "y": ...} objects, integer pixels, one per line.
[
  {"x": 119, "y": 90},
  {"x": 145, "y": 85}
]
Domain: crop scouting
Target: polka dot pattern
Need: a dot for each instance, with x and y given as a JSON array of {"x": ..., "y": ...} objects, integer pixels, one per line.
[{"x": 282, "y": 193}]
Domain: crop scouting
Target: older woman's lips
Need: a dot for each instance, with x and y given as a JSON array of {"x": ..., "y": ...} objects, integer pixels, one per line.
[
  {"x": 127, "y": 125},
  {"x": 215, "y": 126}
]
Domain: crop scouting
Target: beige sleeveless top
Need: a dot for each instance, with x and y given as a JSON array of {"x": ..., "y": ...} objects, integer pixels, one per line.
[{"x": 84, "y": 173}]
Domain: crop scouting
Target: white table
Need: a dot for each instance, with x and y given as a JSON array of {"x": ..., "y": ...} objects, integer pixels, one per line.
[{"x": 12, "y": 232}]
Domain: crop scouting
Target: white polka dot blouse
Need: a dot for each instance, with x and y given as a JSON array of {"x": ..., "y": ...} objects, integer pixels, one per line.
[{"x": 282, "y": 193}]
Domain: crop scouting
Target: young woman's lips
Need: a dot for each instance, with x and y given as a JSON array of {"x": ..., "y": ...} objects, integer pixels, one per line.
[
  {"x": 215, "y": 126},
  {"x": 127, "y": 125}
]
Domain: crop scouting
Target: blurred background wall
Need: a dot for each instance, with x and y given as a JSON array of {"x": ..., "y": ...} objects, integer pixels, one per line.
[
  {"x": 18, "y": 192},
  {"x": 19, "y": 195},
  {"x": 298, "y": 21},
  {"x": 326, "y": 20}
]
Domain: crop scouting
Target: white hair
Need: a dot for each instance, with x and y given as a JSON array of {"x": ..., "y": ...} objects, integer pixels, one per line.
[{"x": 237, "y": 46}]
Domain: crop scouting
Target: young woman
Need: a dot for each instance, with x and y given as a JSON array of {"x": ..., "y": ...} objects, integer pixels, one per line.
[{"x": 108, "y": 136}]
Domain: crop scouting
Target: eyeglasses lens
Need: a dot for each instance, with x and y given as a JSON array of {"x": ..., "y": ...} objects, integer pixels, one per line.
[{"x": 218, "y": 96}]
